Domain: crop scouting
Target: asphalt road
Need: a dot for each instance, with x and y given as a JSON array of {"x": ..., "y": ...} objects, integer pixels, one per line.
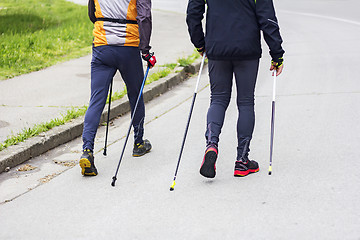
[{"x": 313, "y": 193}]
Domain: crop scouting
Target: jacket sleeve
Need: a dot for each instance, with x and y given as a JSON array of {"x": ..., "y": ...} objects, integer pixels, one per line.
[
  {"x": 145, "y": 24},
  {"x": 91, "y": 11},
  {"x": 195, "y": 14},
  {"x": 268, "y": 23}
]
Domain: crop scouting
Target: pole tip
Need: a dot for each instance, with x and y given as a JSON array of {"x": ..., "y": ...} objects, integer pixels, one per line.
[
  {"x": 113, "y": 182},
  {"x": 172, "y": 186},
  {"x": 270, "y": 170},
  {"x": 104, "y": 153}
]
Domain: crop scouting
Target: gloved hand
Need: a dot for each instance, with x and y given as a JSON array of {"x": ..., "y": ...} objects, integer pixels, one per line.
[
  {"x": 277, "y": 65},
  {"x": 201, "y": 50},
  {"x": 150, "y": 58}
]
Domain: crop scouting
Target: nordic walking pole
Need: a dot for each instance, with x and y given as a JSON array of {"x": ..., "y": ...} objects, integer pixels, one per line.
[
  {"x": 128, "y": 133},
  {"x": 108, "y": 118},
  {"x": 188, "y": 122},
  {"x": 272, "y": 122}
]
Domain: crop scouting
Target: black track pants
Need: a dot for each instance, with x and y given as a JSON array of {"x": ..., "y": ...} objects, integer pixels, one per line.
[
  {"x": 106, "y": 60},
  {"x": 221, "y": 75}
]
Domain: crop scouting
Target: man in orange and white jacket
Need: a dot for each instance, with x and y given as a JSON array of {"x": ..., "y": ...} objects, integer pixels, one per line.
[{"x": 122, "y": 30}]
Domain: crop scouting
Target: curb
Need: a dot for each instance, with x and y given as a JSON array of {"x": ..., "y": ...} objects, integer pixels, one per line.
[{"x": 35, "y": 146}]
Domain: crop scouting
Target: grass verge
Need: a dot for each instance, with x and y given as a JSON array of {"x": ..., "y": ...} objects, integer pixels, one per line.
[
  {"x": 43, "y": 127},
  {"x": 35, "y": 34},
  {"x": 183, "y": 62}
]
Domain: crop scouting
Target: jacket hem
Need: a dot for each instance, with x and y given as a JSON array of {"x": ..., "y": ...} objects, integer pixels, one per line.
[{"x": 238, "y": 58}]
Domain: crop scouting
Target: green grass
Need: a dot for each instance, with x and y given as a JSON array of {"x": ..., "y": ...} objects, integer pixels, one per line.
[
  {"x": 184, "y": 62},
  {"x": 158, "y": 74},
  {"x": 35, "y": 34},
  {"x": 172, "y": 66},
  {"x": 43, "y": 127},
  {"x": 117, "y": 95}
]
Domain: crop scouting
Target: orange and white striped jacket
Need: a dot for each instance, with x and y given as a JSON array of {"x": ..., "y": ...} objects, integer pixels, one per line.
[{"x": 121, "y": 23}]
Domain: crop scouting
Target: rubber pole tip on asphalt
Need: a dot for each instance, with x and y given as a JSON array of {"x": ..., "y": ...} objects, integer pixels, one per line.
[
  {"x": 113, "y": 182},
  {"x": 172, "y": 186}
]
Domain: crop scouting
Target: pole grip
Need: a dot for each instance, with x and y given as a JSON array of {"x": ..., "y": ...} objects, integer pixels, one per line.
[{"x": 274, "y": 86}]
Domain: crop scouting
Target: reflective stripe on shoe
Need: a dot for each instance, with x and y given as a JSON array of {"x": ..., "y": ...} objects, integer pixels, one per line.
[
  {"x": 243, "y": 169},
  {"x": 142, "y": 148},
  {"x": 238, "y": 173}
]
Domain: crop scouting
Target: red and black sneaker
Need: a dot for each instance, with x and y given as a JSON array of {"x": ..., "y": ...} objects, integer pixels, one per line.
[
  {"x": 208, "y": 168},
  {"x": 242, "y": 169}
]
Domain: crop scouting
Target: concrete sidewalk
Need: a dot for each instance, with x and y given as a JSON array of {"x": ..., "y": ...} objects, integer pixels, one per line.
[{"x": 47, "y": 94}]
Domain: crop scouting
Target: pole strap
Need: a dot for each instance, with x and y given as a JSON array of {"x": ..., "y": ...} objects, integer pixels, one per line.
[{"x": 122, "y": 21}]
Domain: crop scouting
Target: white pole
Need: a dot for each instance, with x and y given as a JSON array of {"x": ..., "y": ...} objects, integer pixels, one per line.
[
  {"x": 199, "y": 76},
  {"x": 274, "y": 86}
]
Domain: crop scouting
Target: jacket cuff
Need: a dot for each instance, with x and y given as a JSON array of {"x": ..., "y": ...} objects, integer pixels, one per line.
[{"x": 275, "y": 57}]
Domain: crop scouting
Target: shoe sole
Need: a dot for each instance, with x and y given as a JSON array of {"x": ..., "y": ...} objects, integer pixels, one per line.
[
  {"x": 85, "y": 165},
  {"x": 208, "y": 169},
  {"x": 139, "y": 155},
  {"x": 238, "y": 173}
]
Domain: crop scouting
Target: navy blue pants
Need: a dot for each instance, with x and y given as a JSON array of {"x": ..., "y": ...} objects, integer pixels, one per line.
[
  {"x": 106, "y": 60},
  {"x": 221, "y": 77}
]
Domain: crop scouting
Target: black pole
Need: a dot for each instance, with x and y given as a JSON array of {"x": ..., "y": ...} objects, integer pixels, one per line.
[
  {"x": 183, "y": 142},
  {"x": 128, "y": 133},
  {"x": 108, "y": 119},
  {"x": 188, "y": 122}
]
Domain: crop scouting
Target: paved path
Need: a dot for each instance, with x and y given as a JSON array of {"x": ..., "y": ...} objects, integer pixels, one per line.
[{"x": 313, "y": 193}]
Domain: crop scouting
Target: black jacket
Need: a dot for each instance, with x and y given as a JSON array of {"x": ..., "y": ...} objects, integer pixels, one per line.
[{"x": 233, "y": 28}]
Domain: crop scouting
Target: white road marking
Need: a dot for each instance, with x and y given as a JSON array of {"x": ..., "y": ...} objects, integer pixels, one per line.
[{"x": 322, "y": 16}]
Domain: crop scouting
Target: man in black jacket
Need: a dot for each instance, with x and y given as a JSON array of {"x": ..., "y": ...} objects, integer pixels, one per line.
[{"x": 233, "y": 46}]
